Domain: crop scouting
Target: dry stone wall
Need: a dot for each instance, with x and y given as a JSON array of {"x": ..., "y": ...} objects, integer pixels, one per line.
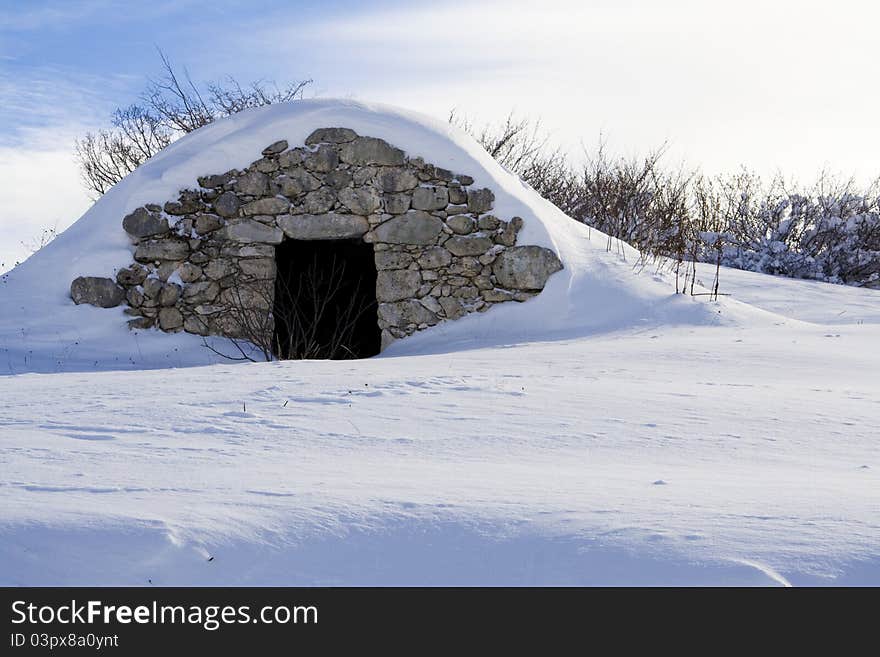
[{"x": 204, "y": 259}]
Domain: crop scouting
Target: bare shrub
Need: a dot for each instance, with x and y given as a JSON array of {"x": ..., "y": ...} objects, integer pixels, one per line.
[
  {"x": 312, "y": 316},
  {"x": 828, "y": 231},
  {"x": 170, "y": 106}
]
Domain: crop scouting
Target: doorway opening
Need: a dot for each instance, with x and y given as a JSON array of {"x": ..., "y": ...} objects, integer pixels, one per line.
[{"x": 325, "y": 300}]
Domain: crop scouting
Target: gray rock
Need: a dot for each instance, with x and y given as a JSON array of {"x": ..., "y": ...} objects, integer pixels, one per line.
[
  {"x": 134, "y": 297},
  {"x": 452, "y": 307},
  {"x": 142, "y": 223},
  {"x": 319, "y": 201},
  {"x": 170, "y": 319},
  {"x": 266, "y": 165},
  {"x": 465, "y": 180},
  {"x": 209, "y": 309},
  {"x": 466, "y": 292},
  {"x": 166, "y": 268},
  {"x": 525, "y": 267},
  {"x": 406, "y": 312},
  {"x": 496, "y": 296},
  {"x": 275, "y": 148},
  {"x": 457, "y": 196},
  {"x": 152, "y": 288},
  {"x": 227, "y": 204},
  {"x": 133, "y": 275},
  {"x": 219, "y": 268},
  {"x": 189, "y": 273},
  {"x": 195, "y": 324},
  {"x": 397, "y": 284},
  {"x": 252, "y": 296},
  {"x": 461, "y": 224},
  {"x": 258, "y": 268},
  {"x": 430, "y": 198},
  {"x": 508, "y": 235},
  {"x": 489, "y": 222},
  {"x": 253, "y": 231},
  {"x": 431, "y": 304},
  {"x": 292, "y": 158},
  {"x": 480, "y": 200},
  {"x": 387, "y": 339},
  {"x": 167, "y": 249},
  {"x": 397, "y": 180},
  {"x": 322, "y": 160},
  {"x": 331, "y": 136},
  {"x": 468, "y": 246},
  {"x": 466, "y": 266},
  {"x": 393, "y": 260},
  {"x": 397, "y": 203},
  {"x": 483, "y": 282},
  {"x": 364, "y": 175},
  {"x": 249, "y": 251},
  {"x": 338, "y": 179},
  {"x": 362, "y": 200},
  {"x": 431, "y": 172},
  {"x": 435, "y": 258},
  {"x": 207, "y": 223},
  {"x": 101, "y": 292},
  {"x": 169, "y": 295},
  {"x": 215, "y": 181},
  {"x": 414, "y": 227},
  {"x": 204, "y": 292},
  {"x": 270, "y": 205},
  {"x": 369, "y": 150},
  {"x": 188, "y": 203},
  {"x": 330, "y": 226},
  {"x": 252, "y": 183},
  {"x": 298, "y": 181}
]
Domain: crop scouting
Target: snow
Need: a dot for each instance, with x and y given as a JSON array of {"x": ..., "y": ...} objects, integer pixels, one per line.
[
  {"x": 44, "y": 331},
  {"x": 605, "y": 432}
]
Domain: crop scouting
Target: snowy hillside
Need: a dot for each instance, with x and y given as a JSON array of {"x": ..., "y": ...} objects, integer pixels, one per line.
[
  {"x": 604, "y": 432},
  {"x": 42, "y": 330}
]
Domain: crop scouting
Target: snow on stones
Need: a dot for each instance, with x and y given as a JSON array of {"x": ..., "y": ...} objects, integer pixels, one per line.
[{"x": 438, "y": 253}]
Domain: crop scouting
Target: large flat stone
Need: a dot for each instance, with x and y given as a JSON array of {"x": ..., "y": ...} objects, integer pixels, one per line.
[
  {"x": 397, "y": 284},
  {"x": 142, "y": 223},
  {"x": 414, "y": 227},
  {"x": 525, "y": 267},
  {"x": 330, "y": 226},
  {"x": 331, "y": 136},
  {"x": 169, "y": 249},
  {"x": 369, "y": 150},
  {"x": 269, "y": 205},
  {"x": 360, "y": 200},
  {"x": 101, "y": 292},
  {"x": 253, "y": 231},
  {"x": 468, "y": 246}
]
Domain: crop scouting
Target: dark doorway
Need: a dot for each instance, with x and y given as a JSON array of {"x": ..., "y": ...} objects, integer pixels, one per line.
[{"x": 325, "y": 300}]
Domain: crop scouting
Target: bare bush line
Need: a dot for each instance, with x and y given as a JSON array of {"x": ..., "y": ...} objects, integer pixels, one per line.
[
  {"x": 828, "y": 231},
  {"x": 169, "y": 107}
]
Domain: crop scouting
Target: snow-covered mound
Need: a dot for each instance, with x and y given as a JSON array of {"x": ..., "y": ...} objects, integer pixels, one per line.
[
  {"x": 623, "y": 437},
  {"x": 42, "y": 330}
]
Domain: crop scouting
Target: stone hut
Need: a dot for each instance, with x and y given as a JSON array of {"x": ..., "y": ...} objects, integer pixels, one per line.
[{"x": 344, "y": 241}]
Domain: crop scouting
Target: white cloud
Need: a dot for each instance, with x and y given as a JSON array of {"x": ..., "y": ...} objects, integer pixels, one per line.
[
  {"x": 41, "y": 189},
  {"x": 785, "y": 85}
]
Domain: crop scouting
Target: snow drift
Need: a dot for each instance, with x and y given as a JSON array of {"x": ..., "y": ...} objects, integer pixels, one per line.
[{"x": 42, "y": 330}]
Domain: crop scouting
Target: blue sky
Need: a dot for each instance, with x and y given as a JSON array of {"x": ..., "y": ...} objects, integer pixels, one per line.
[{"x": 781, "y": 85}]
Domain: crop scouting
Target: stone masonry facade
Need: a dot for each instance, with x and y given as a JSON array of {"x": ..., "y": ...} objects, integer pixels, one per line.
[{"x": 440, "y": 253}]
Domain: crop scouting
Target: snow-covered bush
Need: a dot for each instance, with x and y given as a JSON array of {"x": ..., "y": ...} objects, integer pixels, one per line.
[{"x": 829, "y": 231}]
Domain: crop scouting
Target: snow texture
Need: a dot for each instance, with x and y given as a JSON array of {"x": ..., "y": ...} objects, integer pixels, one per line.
[{"x": 633, "y": 436}]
